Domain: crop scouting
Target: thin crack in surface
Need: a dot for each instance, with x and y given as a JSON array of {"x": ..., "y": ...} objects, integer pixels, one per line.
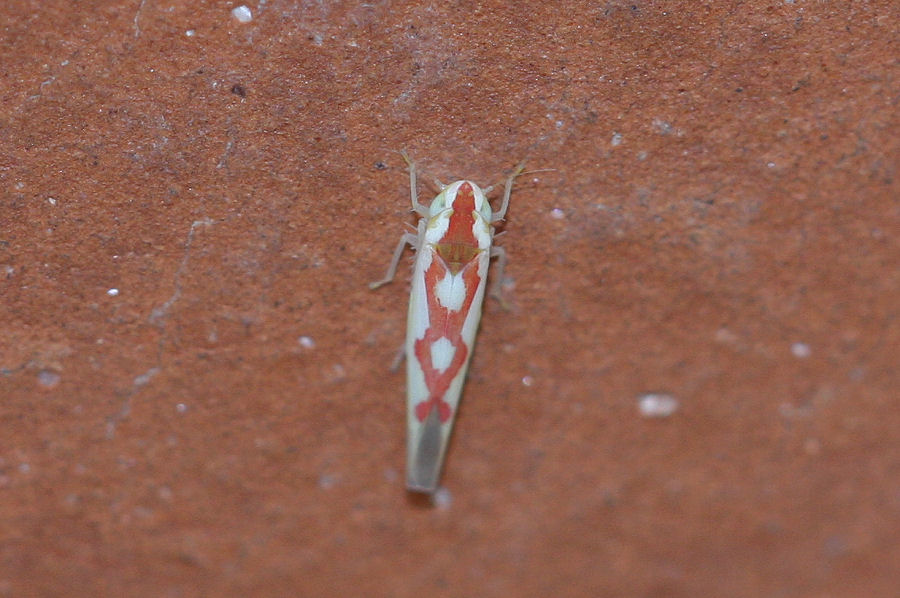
[{"x": 162, "y": 311}]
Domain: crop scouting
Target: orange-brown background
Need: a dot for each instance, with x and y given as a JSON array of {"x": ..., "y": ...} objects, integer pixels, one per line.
[{"x": 724, "y": 187}]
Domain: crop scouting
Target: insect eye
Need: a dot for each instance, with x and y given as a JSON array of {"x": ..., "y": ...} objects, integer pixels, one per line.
[{"x": 438, "y": 205}]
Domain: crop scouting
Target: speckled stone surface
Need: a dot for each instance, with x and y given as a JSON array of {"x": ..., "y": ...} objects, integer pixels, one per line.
[{"x": 196, "y": 394}]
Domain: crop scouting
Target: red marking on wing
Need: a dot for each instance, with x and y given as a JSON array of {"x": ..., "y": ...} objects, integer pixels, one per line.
[{"x": 443, "y": 323}]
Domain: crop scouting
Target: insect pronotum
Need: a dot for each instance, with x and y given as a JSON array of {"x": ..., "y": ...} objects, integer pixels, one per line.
[{"x": 453, "y": 246}]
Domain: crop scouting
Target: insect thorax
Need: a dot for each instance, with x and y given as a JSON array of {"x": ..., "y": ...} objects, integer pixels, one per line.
[{"x": 456, "y": 255}]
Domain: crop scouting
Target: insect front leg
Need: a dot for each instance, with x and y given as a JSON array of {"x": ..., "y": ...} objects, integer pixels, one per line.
[
  {"x": 507, "y": 191},
  {"x": 418, "y": 208}
]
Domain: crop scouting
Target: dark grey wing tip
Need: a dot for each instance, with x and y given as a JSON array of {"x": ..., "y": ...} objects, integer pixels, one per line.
[
  {"x": 424, "y": 471},
  {"x": 414, "y": 486}
]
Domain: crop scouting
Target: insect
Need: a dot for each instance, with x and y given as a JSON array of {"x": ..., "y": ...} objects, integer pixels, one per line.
[{"x": 454, "y": 245}]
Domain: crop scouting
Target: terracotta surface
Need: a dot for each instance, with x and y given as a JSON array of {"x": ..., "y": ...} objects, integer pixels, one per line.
[{"x": 721, "y": 225}]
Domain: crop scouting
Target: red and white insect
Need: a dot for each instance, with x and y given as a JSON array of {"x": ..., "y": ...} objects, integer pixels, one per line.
[{"x": 453, "y": 249}]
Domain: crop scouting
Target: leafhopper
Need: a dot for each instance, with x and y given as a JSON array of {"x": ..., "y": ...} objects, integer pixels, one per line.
[{"x": 454, "y": 246}]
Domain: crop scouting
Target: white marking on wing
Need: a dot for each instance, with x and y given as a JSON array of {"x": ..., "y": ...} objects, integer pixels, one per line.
[
  {"x": 442, "y": 352},
  {"x": 451, "y": 291}
]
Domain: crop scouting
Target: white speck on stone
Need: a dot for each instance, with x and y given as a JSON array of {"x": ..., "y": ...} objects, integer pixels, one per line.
[
  {"x": 557, "y": 214},
  {"x": 335, "y": 373},
  {"x": 442, "y": 498},
  {"x": 616, "y": 139},
  {"x": 642, "y": 156},
  {"x": 723, "y": 335},
  {"x": 527, "y": 381},
  {"x": 112, "y": 292},
  {"x": 48, "y": 378},
  {"x": 662, "y": 127},
  {"x": 181, "y": 408},
  {"x": 51, "y": 201},
  {"x": 770, "y": 164},
  {"x": 190, "y": 33},
  {"x": 144, "y": 379},
  {"x": 307, "y": 342},
  {"x": 657, "y": 405},
  {"x": 242, "y": 14},
  {"x": 800, "y": 350}
]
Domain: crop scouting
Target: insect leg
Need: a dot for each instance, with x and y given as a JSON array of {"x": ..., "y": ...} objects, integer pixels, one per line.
[
  {"x": 416, "y": 206},
  {"x": 507, "y": 191},
  {"x": 499, "y": 269},
  {"x": 407, "y": 238}
]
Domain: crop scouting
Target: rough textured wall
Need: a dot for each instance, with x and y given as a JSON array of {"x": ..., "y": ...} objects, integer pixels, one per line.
[{"x": 196, "y": 394}]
